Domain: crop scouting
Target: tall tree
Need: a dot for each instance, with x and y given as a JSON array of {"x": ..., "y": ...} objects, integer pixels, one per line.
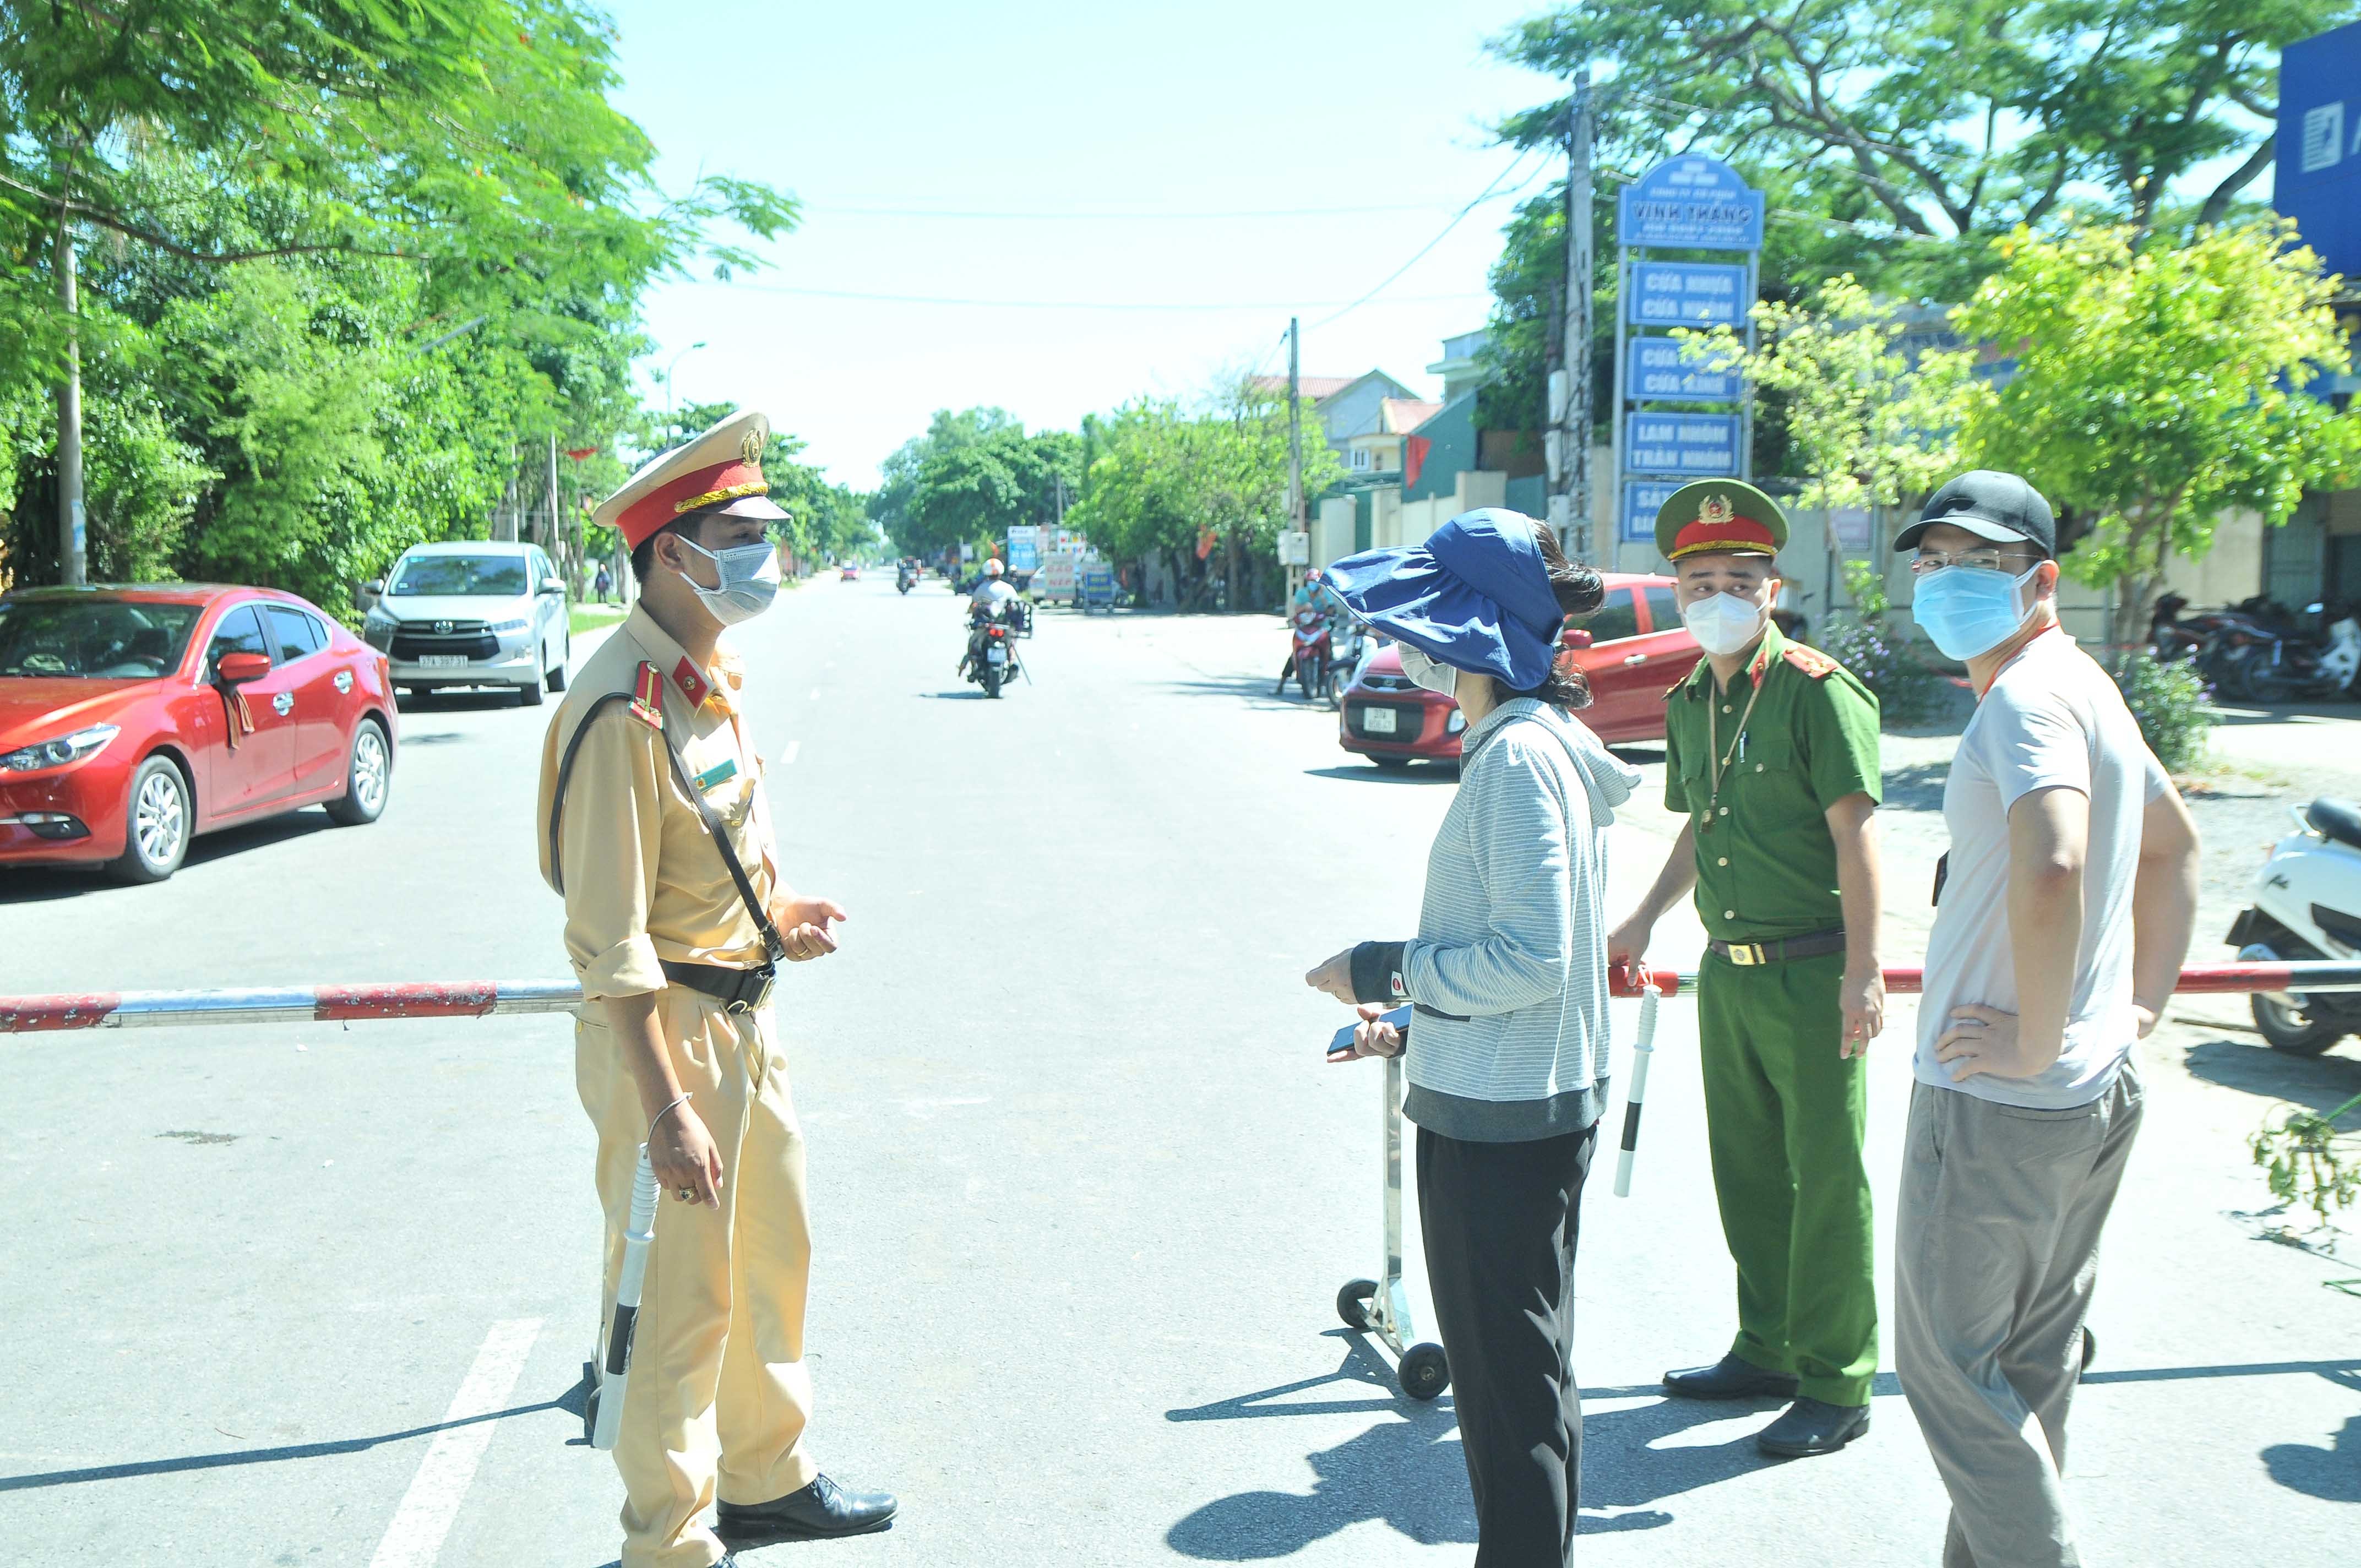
[{"x": 2156, "y": 389}]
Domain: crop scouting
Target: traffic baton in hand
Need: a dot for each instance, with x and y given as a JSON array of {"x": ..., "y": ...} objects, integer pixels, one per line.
[
  {"x": 615, "y": 1372},
  {"x": 1642, "y": 1049}
]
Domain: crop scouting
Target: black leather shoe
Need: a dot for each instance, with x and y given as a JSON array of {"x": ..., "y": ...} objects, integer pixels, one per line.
[
  {"x": 1813, "y": 1425},
  {"x": 819, "y": 1510},
  {"x": 1731, "y": 1377}
]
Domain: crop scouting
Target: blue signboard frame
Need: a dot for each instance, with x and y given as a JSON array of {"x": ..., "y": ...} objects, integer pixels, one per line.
[
  {"x": 1655, "y": 372},
  {"x": 1690, "y": 204},
  {"x": 1694, "y": 446},
  {"x": 1685, "y": 294},
  {"x": 1642, "y": 500},
  {"x": 2316, "y": 179}
]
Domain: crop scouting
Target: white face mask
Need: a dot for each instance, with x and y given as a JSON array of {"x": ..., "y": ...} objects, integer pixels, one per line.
[
  {"x": 1724, "y": 623},
  {"x": 750, "y": 581},
  {"x": 1432, "y": 674}
]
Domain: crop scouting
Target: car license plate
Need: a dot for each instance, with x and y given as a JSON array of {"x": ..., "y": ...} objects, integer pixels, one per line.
[
  {"x": 996, "y": 654},
  {"x": 459, "y": 662},
  {"x": 1377, "y": 720}
]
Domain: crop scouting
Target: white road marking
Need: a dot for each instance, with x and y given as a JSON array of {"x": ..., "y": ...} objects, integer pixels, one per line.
[
  {"x": 416, "y": 1537},
  {"x": 789, "y": 755}
]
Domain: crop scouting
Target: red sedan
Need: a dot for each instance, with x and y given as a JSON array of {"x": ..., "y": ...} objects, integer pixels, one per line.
[
  {"x": 132, "y": 720},
  {"x": 1633, "y": 650}
]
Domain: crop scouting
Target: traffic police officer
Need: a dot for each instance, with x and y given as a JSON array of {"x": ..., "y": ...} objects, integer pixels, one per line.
[
  {"x": 1771, "y": 753},
  {"x": 653, "y": 824}
]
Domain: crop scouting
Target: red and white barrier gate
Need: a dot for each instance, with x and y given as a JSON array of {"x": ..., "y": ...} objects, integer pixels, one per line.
[{"x": 316, "y": 1005}]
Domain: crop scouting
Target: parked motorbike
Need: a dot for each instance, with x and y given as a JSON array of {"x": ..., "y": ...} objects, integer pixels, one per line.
[
  {"x": 991, "y": 659},
  {"x": 2247, "y": 651},
  {"x": 2307, "y": 905},
  {"x": 2340, "y": 666},
  {"x": 1311, "y": 654},
  {"x": 1350, "y": 656}
]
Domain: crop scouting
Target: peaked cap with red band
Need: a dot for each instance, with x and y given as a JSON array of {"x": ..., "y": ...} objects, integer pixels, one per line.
[
  {"x": 1723, "y": 517},
  {"x": 720, "y": 470}
]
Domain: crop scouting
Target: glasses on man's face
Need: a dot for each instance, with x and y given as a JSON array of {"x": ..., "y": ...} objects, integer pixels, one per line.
[{"x": 1990, "y": 560}]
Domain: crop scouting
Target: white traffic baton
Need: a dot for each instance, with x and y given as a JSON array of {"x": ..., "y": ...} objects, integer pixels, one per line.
[
  {"x": 1643, "y": 1050},
  {"x": 615, "y": 1366}
]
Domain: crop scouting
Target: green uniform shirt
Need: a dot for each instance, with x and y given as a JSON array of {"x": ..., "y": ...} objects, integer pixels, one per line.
[{"x": 1766, "y": 865}]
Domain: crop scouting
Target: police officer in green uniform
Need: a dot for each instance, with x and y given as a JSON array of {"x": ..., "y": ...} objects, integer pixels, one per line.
[{"x": 1771, "y": 753}]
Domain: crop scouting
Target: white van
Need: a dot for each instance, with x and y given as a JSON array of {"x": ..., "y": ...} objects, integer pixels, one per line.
[{"x": 473, "y": 613}]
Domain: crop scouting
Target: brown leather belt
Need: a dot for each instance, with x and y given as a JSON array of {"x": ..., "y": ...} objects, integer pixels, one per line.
[
  {"x": 738, "y": 990},
  {"x": 1811, "y": 945}
]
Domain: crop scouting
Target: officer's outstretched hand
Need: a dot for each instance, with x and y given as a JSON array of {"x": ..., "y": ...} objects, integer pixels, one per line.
[
  {"x": 1627, "y": 943},
  {"x": 804, "y": 923},
  {"x": 685, "y": 1159}
]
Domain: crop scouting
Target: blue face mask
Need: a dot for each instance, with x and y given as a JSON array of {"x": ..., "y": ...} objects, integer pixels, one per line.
[{"x": 1968, "y": 610}]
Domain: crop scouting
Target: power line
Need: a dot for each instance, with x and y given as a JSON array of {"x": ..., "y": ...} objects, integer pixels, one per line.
[
  {"x": 1119, "y": 213},
  {"x": 1089, "y": 305},
  {"x": 1516, "y": 163}
]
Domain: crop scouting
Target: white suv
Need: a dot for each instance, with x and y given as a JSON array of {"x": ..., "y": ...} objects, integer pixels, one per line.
[{"x": 473, "y": 613}]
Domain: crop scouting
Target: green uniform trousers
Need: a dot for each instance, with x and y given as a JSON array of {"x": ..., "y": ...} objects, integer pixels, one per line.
[{"x": 1784, "y": 1117}]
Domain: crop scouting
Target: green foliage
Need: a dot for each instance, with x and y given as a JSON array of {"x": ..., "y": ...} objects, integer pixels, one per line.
[
  {"x": 347, "y": 269},
  {"x": 2157, "y": 387},
  {"x": 2309, "y": 1160},
  {"x": 2172, "y": 704},
  {"x": 1872, "y": 422},
  {"x": 971, "y": 477},
  {"x": 1164, "y": 477}
]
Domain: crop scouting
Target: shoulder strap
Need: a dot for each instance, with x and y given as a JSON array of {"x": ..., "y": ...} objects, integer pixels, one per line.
[{"x": 773, "y": 943}]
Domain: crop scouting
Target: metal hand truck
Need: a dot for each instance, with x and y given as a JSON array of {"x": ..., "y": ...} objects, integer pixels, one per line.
[{"x": 1381, "y": 1307}]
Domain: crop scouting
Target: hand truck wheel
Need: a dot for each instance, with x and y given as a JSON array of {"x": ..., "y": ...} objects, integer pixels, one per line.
[
  {"x": 589, "y": 1399},
  {"x": 1425, "y": 1372},
  {"x": 1353, "y": 1303},
  {"x": 2089, "y": 1351}
]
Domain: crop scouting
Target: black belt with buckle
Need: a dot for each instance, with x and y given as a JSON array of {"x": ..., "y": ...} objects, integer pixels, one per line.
[
  {"x": 1810, "y": 946},
  {"x": 738, "y": 990}
]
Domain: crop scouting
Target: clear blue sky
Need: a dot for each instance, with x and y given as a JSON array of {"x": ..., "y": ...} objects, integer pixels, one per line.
[{"x": 1128, "y": 107}]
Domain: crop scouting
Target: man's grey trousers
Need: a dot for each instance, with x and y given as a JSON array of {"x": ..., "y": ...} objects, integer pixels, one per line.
[{"x": 1998, "y": 1248}]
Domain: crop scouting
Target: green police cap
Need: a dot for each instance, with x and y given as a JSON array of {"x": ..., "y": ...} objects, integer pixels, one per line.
[{"x": 1727, "y": 516}]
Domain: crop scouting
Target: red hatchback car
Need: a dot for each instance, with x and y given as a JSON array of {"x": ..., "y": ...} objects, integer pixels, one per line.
[
  {"x": 1633, "y": 650},
  {"x": 134, "y": 718}
]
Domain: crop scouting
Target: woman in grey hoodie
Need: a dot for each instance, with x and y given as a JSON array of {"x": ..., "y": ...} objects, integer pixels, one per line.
[{"x": 1508, "y": 977}]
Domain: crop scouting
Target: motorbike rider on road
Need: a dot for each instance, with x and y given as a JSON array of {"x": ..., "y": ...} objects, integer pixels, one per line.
[{"x": 990, "y": 591}]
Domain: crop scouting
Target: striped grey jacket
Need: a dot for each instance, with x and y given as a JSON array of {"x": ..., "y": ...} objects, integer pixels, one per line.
[{"x": 1508, "y": 970}]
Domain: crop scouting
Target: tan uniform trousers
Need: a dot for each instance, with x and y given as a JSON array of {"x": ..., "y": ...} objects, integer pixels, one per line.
[{"x": 718, "y": 1393}]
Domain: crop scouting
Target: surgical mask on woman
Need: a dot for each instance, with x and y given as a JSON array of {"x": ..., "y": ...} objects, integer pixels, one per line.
[
  {"x": 1724, "y": 623},
  {"x": 1969, "y": 610},
  {"x": 1431, "y": 673},
  {"x": 750, "y": 581}
]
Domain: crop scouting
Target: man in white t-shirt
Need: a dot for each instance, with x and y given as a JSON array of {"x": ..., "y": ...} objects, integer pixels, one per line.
[{"x": 2060, "y": 930}]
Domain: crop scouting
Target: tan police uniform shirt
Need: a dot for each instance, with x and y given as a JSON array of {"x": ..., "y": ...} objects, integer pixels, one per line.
[{"x": 627, "y": 846}]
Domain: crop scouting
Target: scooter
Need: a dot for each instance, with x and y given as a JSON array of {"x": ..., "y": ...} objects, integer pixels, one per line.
[
  {"x": 903, "y": 578},
  {"x": 991, "y": 657},
  {"x": 2307, "y": 905},
  {"x": 1310, "y": 655},
  {"x": 2341, "y": 665}
]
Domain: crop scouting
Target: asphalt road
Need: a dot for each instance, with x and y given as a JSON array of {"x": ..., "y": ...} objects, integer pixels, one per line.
[{"x": 1084, "y": 1192}]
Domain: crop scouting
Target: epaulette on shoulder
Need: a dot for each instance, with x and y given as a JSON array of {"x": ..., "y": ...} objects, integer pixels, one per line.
[
  {"x": 647, "y": 697},
  {"x": 1811, "y": 660}
]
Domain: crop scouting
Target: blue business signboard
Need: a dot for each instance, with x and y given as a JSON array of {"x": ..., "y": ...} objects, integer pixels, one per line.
[
  {"x": 1695, "y": 446},
  {"x": 1657, "y": 373},
  {"x": 1691, "y": 203},
  {"x": 1642, "y": 500},
  {"x": 1685, "y": 294},
  {"x": 2318, "y": 179}
]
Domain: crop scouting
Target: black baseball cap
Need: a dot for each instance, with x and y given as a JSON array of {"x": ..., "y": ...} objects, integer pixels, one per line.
[{"x": 1991, "y": 505}]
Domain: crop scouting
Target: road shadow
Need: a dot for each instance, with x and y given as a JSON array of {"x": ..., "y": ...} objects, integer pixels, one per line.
[
  {"x": 1255, "y": 690},
  {"x": 2331, "y": 1474},
  {"x": 1420, "y": 772},
  {"x": 464, "y": 699},
  {"x": 41, "y": 884},
  {"x": 2318, "y": 1083},
  {"x": 1917, "y": 788},
  {"x": 975, "y": 696}
]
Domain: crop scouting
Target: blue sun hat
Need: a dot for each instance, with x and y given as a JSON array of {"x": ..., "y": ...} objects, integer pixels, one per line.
[{"x": 1475, "y": 596}]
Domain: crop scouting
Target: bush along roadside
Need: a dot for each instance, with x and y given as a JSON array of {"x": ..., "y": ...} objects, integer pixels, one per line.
[
  {"x": 2172, "y": 704},
  {"x": 1907, "y": 692}
]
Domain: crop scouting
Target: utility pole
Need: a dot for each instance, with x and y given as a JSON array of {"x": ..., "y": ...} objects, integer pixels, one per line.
[
  {"x": 1568, "y": 439},
  {"x": 72, "y": 558},
  {"x": 1294, "y": 445}
]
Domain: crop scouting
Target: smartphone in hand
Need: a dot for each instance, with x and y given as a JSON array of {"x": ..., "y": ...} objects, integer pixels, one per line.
[{"x": 1341, "y": 1048}]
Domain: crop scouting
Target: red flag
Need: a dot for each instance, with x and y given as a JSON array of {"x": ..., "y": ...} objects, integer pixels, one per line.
[
  {"x": 1414, "y": 451},
  {"x": 1206, "y": 542}
]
